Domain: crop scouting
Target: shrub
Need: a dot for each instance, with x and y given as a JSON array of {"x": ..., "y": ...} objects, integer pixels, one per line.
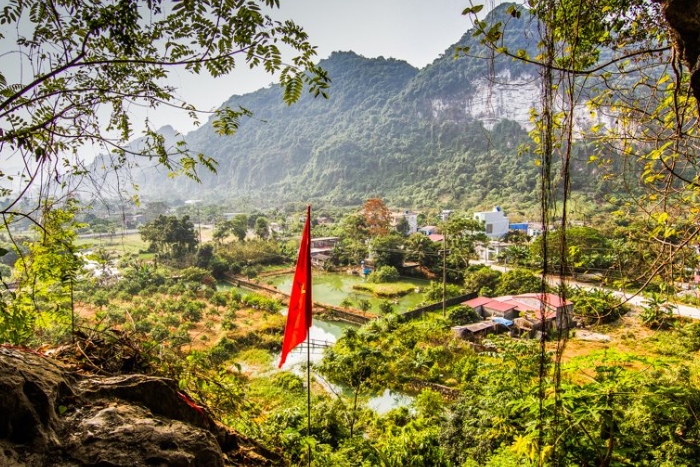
[
  {"x": 288, "y": 382},
  {"x": 218, "y": 299},
  {"x": 462, "y": 315},
  {"x": 386, "y": 307},
  {"x": 383, "y": 274},
  {"x": 222, "y": 351}
]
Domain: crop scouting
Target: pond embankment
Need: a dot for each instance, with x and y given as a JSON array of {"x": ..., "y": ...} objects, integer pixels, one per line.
[{"x": 349, "y": 315}]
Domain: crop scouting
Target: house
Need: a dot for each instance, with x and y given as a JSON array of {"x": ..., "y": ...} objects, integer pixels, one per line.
[
  {"x": 411, "y": 218},
  {"x": 519, "y": 227},
  {"x": 323, "y": 244},
  {"x": 474, "y": 330},
  {"x": 428, "y": 230},
  {"x": 492, "y": 250},
  {"x": 445, "y": 214},
  {"x": 321, "y": 249},
  {"x": 534, "y": 229},
  {"x": 491, "y": 308},
  {"x": 495, "y": 222},
  {"x": 528, "y": 311},
  {"x": 551, "y": 304}
]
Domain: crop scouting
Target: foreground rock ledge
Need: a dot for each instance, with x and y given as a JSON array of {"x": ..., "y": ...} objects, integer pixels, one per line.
[{"x": 51, "y": 416}]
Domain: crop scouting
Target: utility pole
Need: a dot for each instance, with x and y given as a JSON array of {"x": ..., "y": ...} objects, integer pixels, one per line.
[{"x": 444, "y": 271}]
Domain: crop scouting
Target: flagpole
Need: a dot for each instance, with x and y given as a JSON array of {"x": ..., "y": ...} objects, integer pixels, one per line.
[
  {"x": 308, "y": 341},
  {"x": 308, "y": 393},
  {"x": 299, "y": 316}
]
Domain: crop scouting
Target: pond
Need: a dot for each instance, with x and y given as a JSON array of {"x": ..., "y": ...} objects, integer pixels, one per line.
[
  {"x": 327, "y": 331},
  {"x": 333, "y": 288}
]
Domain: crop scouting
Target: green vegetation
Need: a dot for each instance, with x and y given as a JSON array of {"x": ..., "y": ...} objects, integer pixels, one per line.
[
  {"x": 395, "y": 289},
  {"x": 555, "y": 401}
]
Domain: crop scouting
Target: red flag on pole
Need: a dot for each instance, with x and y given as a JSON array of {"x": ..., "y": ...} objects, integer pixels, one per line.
[{"x": 299, "y": 316}]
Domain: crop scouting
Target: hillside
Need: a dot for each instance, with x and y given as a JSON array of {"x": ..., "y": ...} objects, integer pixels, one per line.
[{"x": 446, "y": 135}]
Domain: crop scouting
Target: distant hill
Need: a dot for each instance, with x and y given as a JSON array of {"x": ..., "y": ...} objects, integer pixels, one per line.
[{"x": 443, "y": 136}]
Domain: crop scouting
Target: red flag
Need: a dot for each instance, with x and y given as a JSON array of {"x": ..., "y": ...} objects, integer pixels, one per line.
[{"x": 299, "y": 316}]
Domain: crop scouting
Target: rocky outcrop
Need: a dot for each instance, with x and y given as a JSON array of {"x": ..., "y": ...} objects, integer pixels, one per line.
[
  {"x": 51, "y": 416},
  {"x": 683, "y": 17}
]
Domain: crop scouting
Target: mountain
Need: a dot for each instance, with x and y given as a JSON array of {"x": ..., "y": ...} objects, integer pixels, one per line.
[{"x": 446, "y": 135}]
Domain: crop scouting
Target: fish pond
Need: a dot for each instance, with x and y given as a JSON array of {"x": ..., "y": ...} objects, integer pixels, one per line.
[{"x": 334, "y": 289}]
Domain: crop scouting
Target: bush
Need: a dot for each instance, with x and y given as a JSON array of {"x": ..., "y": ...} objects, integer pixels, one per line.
[
  {"x": 218, "y": 299},
  {"x": 100, "y": 298},
  {"x": 383, "y": 274},
  {"x": 386, "y": 307},
  {"x": 462, "y": 315},
  {"x": 288, "y": 382},
  {"x": 433, "y": 293}
]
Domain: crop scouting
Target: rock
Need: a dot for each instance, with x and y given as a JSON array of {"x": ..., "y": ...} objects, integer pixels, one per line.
[
  {"x": 683, "y": 18},
  {"x": 51, "y": 416}
]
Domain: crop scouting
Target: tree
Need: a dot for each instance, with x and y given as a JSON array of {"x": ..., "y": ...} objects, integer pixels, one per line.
[
  {"x": 462, "y": 315},
  {"x": 354, "y": 226},
  {"x": 423, "y": 250},
  {"x": 262, "y": 227},
  {"x": 170, "y": 235},
  {"x": 518, "y": 281},
  {"x": 383, "y": 274},
  {"x": 481, "y": 279},
  {"x": 356, "y": 362},
  {"x": 403, "y": 227},
  {"x": 239, "y": 226},
  {"x": 387, "y": 250},
  {"x": 463, "y": 235},
  {"x": 377, "y": 216},
  {"x": 85, "y": 64},
  {"x": 46, "y": 276}
]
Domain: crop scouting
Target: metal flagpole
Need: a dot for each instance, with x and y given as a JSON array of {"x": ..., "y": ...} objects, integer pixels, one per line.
[{"x": 308, "y": 392}]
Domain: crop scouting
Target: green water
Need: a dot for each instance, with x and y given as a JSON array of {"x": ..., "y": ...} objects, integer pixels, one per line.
[
  {"x": 329, "y": 331},
  {"x": 334, "y": 288}
]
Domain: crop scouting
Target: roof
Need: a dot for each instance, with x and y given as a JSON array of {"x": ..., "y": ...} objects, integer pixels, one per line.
[
  {"x": 549, "y": 298},
  {"x": 324, "y": 239},
  {"x": 476, "y": 302},
  {"x": 503, "y": 321},
  {"x": 520, "y": 306},
  {"x": 475, "y": 327},
  {"x": 436, "y": 237},
  {"x": 499, "y": 306}
]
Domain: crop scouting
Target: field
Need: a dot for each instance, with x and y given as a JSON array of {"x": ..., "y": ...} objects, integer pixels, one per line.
[{"x": 130, "y": 242}]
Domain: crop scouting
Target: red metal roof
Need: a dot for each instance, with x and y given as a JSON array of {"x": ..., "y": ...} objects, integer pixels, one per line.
[
  {"x": 499, "y": 306},
  {"x": 478, "y": 301},
  {"x": 549, "y": 298}
]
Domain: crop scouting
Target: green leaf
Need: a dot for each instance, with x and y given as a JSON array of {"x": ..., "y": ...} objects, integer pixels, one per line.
[{"x": 472, "y": 10}]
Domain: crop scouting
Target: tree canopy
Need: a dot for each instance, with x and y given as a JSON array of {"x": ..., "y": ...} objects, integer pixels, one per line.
[{"x": 84, "y": 64}]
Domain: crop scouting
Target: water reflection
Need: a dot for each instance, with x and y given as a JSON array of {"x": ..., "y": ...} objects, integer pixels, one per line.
[
  {"x": 389, "y": 400},
  {"x": 335, "y": 288}
]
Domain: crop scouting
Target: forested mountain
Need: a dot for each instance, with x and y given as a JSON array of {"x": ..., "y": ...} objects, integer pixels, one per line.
[{"x": 446, "y": 135}]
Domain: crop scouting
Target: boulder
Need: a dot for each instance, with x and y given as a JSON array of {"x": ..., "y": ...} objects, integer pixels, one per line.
[{"x": 53, "y": 416}]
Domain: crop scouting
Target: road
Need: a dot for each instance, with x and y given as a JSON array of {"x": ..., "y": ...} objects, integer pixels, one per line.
[{"x": 636, "y": 300}]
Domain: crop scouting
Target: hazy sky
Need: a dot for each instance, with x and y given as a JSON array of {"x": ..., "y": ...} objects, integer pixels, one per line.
[{"x": 417, "y": 31}]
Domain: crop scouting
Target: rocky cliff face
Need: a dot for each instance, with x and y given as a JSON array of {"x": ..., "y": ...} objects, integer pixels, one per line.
[{"x": 52, "y": 416}]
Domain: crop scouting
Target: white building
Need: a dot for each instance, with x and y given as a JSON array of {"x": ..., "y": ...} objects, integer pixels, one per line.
[
  {"x": 445, "y": 214},
  {"x": 411, "y": 217},
  {"x": 495, "y": 222}
]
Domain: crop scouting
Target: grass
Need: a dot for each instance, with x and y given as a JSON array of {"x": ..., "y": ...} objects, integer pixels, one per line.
[
  {"x": 387, "y": 290},
  {"x": 130, "y": 243}
]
